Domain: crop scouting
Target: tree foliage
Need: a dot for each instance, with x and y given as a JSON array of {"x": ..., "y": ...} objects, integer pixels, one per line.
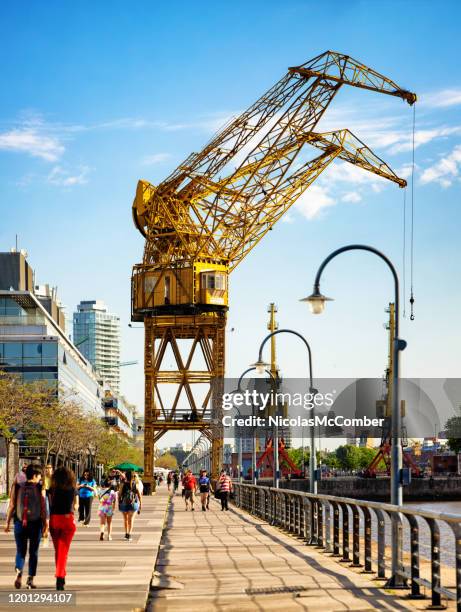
[
  {"x": 453, "y": 433},
  {"x": 346, "y": 457},
  {"x": 168, "y": 461},
  {"x": 57, "y": 423}
]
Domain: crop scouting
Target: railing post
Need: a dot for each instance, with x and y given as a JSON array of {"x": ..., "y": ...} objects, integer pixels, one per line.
[
  {"x": 313, "y": 522},
  {"x": 381, "y": 529},
  {"x": 355, "y": 537},
  {"x": 435, "y": 562},
  {"x": 345, "y": 513},
  {"x": 397, "y": 580},
  {"x": 327, "y": 527},
  {"x": 319, "y": 523},
  {"x": 456, "y": 528},
  {"x": 367, "y": 547},
  {"x": 414, "y": 552},
  {"x": 336, "y": 551},
  {"x": 307, "y": 522}
]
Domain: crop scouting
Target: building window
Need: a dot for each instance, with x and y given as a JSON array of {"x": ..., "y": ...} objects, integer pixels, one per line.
[
  {"x": 50, "y": 353},
  {"x": 12, "y": 353},
  {"x": 32, "y": 353}
]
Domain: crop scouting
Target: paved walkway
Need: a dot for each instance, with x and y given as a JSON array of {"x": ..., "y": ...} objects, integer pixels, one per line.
[
  {"x": 104, "y": 575},
  {"x": 235, "y": 562}
]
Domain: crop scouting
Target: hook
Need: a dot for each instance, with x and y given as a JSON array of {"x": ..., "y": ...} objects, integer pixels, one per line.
[{"x": 412, "y": 301}]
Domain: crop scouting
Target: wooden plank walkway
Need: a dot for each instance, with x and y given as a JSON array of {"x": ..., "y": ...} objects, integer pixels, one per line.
[
  {"x": 207, "y": 561},
  {"x": 112, "y": 575},
  {"x": 231, "y": 561}
]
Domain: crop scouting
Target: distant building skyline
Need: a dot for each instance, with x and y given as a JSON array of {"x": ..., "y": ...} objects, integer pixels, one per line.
[{"x": 96, "y": 333}]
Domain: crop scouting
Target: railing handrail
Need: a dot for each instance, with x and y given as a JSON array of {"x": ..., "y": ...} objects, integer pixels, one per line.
[{"x": 443, "y": 516}]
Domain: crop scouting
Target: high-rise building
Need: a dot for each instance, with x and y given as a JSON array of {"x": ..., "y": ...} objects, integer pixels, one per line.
[
  {"x": 97, "y": 336},
  {"x": 33, "y": 342}
]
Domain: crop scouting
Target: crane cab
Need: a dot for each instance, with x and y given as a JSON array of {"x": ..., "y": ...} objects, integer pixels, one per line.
[
  {"x": 202, "y": 287},
  {"x": 213, "y": 287}
]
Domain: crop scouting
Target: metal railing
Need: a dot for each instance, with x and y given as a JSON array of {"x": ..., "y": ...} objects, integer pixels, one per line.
[{"x": 327, "y": 522}]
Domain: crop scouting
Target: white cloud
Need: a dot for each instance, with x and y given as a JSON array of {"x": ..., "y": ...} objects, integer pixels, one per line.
[
  {"x": 442, "y": 99},
  {"x": 208, "y": 123},
  {"x": 344, "y": 172},
  {"x": 423, "y": 137},
  {"x": 33, "y": 141},
  {"x": 313, "y": 201},
  {"x": 352, "y": 197},
  {"x": 445, "y": 171},
  {"x": 63, "y": 178},
  {"x": 156, "y": 158}
]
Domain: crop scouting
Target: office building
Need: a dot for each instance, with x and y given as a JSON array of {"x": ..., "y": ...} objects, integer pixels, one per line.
[
  {"x": 33, "y": 342},
  {"x": 97, "y": 336}
]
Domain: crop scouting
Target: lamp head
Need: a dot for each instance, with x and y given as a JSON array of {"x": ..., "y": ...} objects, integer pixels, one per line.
[
  {"x": 260, "y": 366},
  {"x": 317, "y": 302}
]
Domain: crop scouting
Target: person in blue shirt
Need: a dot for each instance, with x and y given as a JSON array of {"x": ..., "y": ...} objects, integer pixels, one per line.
[
  {"x": 86, "y": 491},
  {"x": 204, "y": 488}
]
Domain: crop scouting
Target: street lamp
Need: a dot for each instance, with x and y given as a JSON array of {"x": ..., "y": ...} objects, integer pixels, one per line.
[
  {"x": 258, "y": 366},
  {"x": 317, "y": 303},
  {"x": 253, "y": 458}
]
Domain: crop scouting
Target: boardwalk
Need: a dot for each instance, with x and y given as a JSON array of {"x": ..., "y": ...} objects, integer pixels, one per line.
[
  {"x": 214, "y": 561},
  {"x": 104, "y": 575},
  {"x": 233, "y": 561}
]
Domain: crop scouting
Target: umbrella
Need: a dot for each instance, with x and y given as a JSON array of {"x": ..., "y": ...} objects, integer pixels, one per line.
[{"x": 128, "y": 466}]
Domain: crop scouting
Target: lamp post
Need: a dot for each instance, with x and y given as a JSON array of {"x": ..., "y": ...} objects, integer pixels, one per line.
[
  {"x": 253, "y": 454},
  {"x": 260, "y": 364},
  {"x": 317, "y": 302}
]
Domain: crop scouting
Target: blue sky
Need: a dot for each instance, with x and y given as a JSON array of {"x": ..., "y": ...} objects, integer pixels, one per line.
[{"x": 98, "y": 95}]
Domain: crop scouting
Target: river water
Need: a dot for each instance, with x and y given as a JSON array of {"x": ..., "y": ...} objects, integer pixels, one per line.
[{"x": 447, "y": 539}]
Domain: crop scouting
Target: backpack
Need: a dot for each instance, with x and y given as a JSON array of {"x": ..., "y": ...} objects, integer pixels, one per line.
[
  {"x": 29, "y": 502},
  {"x": 129, "y": 495}
]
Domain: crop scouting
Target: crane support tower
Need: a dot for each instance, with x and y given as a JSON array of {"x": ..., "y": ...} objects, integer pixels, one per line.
[{"x": 203, "y": 219}]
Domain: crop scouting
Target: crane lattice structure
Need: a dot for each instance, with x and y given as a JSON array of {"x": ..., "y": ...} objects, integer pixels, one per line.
[{"x": 204, "y": 218}]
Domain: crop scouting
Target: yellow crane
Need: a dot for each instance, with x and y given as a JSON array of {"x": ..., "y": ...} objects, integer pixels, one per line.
[{"x": 203, "y": 219}]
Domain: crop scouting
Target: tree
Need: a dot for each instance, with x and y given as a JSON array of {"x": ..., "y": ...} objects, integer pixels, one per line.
[
  {"x": 453, "y": 432},
  {"x": 331, "y": 460},
  {"x": 297, "y": 455},
  {"x": 16, "y": 399},
  {"x": 353, "y": 457},
  {"x": 168, "y": 461}
]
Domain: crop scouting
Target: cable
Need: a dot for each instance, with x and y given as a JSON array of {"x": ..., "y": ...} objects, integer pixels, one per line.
[
  {"x": 404, "y": 254},
  {"x": 412, "y": 299}
]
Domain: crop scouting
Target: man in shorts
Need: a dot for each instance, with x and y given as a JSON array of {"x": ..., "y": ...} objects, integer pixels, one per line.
[{"x": 189, "y": 484}]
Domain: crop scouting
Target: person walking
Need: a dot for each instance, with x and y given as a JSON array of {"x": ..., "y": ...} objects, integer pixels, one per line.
[
  {"x": 130, "y": 502},
  {"x": 107, "y": 501},
  {"x": 204, "y": 488},
  {"x": 225, "y": 488},
  {"x": 169, "y": 481},
  {"x": 63, "y": 503},
  {"x": 139, "y": 484},
  {"x": 48, "y": 475},
  {"x": 29, "y": 510},
  {"x": 175, "y": 482},
  {"x": 189, "y": 486},
  {"x": 86, "y": 491}
]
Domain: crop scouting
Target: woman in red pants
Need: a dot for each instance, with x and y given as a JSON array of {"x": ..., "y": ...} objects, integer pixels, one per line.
[{"x": 63, "y": 503}]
